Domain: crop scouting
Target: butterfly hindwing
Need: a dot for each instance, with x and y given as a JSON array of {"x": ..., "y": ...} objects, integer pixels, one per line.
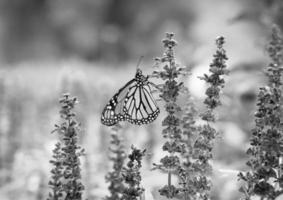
[
  {"x": 140, "y": 106},
  {"x": 109, "y": 117}
]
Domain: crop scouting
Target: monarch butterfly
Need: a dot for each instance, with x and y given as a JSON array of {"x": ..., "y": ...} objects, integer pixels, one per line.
[{"x": 133, "y": 102}]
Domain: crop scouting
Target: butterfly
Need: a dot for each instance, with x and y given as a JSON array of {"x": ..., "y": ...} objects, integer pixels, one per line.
[{"x": 133, "y": 103}]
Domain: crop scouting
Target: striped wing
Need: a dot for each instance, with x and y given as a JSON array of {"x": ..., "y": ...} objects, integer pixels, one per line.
[
  {"x": 113, "y": 111},
  {"x": 139, "y": 105}
]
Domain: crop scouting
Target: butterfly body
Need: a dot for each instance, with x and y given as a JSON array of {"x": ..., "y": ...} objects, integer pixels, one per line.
[{"x": 133, "y": 102}]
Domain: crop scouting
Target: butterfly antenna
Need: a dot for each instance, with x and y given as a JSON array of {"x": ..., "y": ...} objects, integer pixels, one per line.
[{"x": 139, "y": 61}]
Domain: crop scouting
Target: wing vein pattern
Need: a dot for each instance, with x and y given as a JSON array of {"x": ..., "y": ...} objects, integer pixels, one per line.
[{"x": 134, "y": 103}]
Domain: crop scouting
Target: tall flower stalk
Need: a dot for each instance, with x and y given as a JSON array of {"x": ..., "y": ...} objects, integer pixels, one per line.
[
  {"x": 203, "y": 146},
  {"x": 170, "y": 90},
  {"x": 196, "y": 170},
  {"x": 118, "y": 155},
  {"x": 66, "y": 180},
  {"x": 132, "y": 177},
  {"x": 265, "y": 178}
]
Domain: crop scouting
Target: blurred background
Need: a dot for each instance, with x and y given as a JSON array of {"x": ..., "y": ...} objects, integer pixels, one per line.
[{"x": 90, "y": 48}]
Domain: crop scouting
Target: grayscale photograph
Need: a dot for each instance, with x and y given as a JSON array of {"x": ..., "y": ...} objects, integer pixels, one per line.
[{"x": 141, "y": 99}]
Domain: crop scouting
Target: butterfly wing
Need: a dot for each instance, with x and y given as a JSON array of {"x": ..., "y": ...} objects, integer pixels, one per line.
[
  {"x": 139, "y": 105},
  {"x": 134, "y": 103},
  {"x": 113, "y": 111}
]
